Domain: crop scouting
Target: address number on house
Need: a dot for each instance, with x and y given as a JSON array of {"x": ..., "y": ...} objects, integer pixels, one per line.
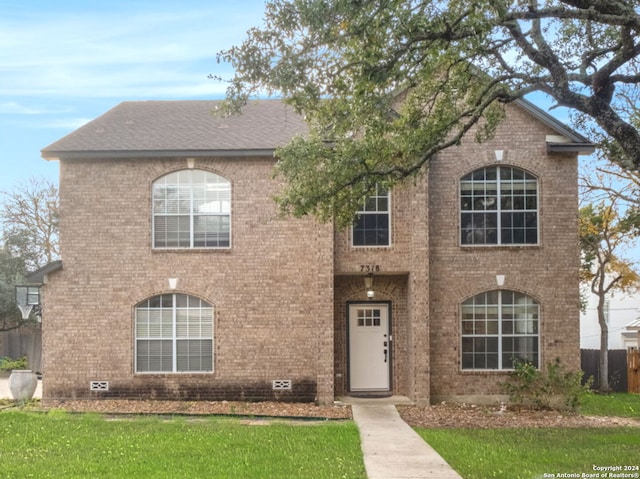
[{"x": 370, "y": 268}]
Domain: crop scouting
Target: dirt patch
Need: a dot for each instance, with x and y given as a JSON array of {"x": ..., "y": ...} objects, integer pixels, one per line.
[
  {"x": 485, "y": 417},
  {"x": 247, "y": 409},
  {"x": 445, "y": 415}
]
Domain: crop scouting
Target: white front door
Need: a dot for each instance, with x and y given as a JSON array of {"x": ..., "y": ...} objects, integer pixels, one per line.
[{"x": 369, "y": 347}]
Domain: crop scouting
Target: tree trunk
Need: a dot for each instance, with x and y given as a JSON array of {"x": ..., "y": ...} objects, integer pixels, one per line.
[{"x": 603, "y": 365}]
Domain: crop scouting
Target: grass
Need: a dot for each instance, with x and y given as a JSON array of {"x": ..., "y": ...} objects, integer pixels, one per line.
[
  {"x": 531, "y": 453},
  {"x": 62, "y": 445},
  {"x": 59, "y": 444},
  {"x": 618, "y": 404}
]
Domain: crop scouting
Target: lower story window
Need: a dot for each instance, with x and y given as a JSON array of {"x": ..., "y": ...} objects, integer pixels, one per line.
[
  {"x": 174, "y": 333},
  {"x": 498, "y": 329}
]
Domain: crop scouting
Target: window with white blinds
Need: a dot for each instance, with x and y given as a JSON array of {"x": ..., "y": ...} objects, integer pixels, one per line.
[
  {"x": 191, "y": 209},
  {"x": 174, "y": 333}
]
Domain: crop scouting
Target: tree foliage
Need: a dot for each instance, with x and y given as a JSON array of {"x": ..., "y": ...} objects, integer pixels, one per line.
[
  {"x": 609, "y": 181},
  {"x": 605, "y": 234},
  {"x": 29, "y": 217},
  {"x": 386, "y": 85},
  {"x": 11, "y": 273}
]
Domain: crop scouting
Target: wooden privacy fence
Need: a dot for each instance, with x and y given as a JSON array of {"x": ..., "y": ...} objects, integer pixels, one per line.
[
  {"x": 633, "y": 370},
  {"x": 618, "y": 377},
  {"x": 23, "y": 342}
]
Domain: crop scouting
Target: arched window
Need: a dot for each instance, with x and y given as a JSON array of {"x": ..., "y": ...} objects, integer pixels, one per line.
[
  {"x": 498, "y": 328},
  {"x": 498, "y": 206},
  {"x": 174, "y": 333},
  {"x": 191, "y": 209}
]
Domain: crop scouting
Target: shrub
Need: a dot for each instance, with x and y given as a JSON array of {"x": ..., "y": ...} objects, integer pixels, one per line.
[
  {"x": 8, "y": 364},
  {"x": 553, "y": 388}
]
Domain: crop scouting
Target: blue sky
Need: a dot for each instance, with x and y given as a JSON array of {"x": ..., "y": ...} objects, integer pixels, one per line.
[
  {"x": 63, "y": 63},
  {"x": 66, "y": 62}
]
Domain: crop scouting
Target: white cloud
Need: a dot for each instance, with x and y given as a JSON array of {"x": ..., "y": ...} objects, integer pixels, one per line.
[
  {"x": 64, "y": 123},
  {"x": 141, "y": 50},
  {"x": 15, "y": 108}
]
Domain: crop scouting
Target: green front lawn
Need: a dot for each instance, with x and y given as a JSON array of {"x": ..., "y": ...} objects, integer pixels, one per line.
[
  {"x": 617, "y": 404},
  {"x": 532, "y": 453},
  {"x": 64, "y": 445},
  {"x": 61, "y": 445}
]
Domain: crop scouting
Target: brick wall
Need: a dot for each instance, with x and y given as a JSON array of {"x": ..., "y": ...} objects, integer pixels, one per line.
[
  {"x": 272, "y": 291},
  {"x": 547, "y": 272},
  {"x": 280, "y": 292},
  {"x": 400, "y": 276}
]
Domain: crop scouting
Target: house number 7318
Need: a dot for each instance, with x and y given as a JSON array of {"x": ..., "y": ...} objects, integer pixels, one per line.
[{"x": 369, "y": 268}]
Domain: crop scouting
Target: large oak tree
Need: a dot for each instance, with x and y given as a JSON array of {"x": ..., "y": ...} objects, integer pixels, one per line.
[{"x": 346, "y": 64}]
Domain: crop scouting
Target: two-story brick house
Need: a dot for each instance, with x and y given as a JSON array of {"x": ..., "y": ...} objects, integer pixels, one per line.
[{"x": 179, "y": 279}]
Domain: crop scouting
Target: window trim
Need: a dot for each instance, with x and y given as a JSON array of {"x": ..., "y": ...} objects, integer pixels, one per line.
[
  {"x": 500, "y": 335},
  {"x": 389, "y": 220},
  {"x": 192, "y": 215},
  {"x": 499, "y": 211},
  {"x": 174, "y": 336}
]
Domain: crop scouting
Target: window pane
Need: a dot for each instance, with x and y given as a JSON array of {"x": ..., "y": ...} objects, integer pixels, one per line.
[
  {"x": 171, "y": 231},
  {"x": 498, "y": 327},
  {"x": 194, "y": 355},
  {"x": 372, "y": 225},
  {"x": 157, "y": 333},
  {"x": 211, "y": 231},
  {"x": 515, "y": 191},
  {"x": 479, "y": 228},
  {"x": 186, "y": 209},
  {"x": 371, "y": 229},
  {"x": 154, "y": 356}
]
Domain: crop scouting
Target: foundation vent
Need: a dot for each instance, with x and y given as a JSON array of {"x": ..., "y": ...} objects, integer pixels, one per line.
[
  {"x": 282, "y": 384},
  {"x": 99, "y": 386}
]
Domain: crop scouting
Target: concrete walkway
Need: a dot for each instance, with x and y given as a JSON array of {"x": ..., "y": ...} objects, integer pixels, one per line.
[{"x": 391, "y": 449}]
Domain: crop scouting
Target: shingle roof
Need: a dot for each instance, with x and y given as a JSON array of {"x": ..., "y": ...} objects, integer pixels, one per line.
[
  {"x": 178, "y": 128},
  {"x": 136, "y": 128}
]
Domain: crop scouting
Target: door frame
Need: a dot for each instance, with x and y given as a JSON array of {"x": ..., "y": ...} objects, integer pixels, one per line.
[{"x": 390, "y": 339}]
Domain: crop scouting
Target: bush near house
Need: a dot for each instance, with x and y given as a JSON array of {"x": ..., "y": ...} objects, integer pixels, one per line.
[
  {"x": 552, "y": 388},
  {"x": 7, "y": 364}
]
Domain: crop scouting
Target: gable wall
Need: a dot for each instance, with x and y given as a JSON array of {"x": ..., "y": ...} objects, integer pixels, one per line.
[
  {"x": 271, "y": 291},
  {"x": 547, "y": 272}
]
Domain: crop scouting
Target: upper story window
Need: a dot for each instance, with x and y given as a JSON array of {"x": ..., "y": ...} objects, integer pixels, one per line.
[
  {"x": 191, "y": 209},
  {"x": 372, "y": 225},
  {"x": 498, "y": 328},
  {"x": 499, "y": 206},
  {"x": 174, "y": 333}
]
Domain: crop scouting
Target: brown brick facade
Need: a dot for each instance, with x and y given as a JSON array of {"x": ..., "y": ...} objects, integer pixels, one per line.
[
  {"x": 281, "y": 291},
  {"x": 546, "y": 272},
  {"x": 271, "y": 290}
]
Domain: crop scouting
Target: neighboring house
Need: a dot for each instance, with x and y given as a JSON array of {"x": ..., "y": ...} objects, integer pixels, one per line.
[
  {"x": 622, "y": 312},
  {"x": 179, "y": 279}
]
